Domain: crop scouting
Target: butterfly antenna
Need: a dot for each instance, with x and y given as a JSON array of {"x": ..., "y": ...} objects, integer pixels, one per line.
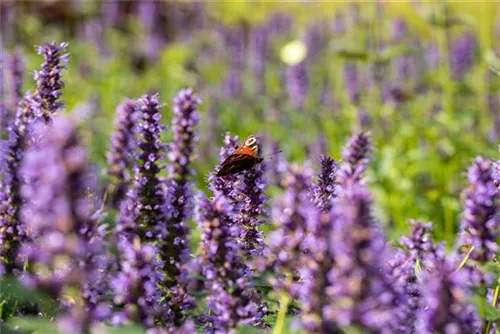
[{"x": 273, "y": 153}]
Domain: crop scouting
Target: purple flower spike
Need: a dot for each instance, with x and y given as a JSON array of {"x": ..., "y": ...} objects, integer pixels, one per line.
[
  {"x": 67, "y": 249},
  {"x": 480, "y": 226},
  {"x": 232, "y": 301},
  {"x": 15, "y": 64},
  {"x": 259, "y": 41},
  {"x": 352, "y": 82},
  {"x": 286, "y": 247},
  {"x": 445, "y": 296},
  {"x": 297, "y": 82},
  {"x": 49, "y": 79},
  {"x": 355, "y": 157},
  {"x": 135, "y": 286},
  {"x": 121, "y": 152},
  {"x": 325, "y": 190},
  {"x": 364, "y": 295},
  {"x": 12, "y": 231},
  {"x": 252, "y": 212},
  {"x": 462, "y": 55},
  {"x": 419, "y": 252}
]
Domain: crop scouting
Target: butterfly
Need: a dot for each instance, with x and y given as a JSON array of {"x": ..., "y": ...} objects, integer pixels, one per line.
[{"x": 245, "y": 157}]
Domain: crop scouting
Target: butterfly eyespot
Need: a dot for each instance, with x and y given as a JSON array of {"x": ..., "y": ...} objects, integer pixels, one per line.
[{"x": 250, "y": 141}]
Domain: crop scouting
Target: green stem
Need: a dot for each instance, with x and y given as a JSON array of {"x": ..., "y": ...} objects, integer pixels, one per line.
[
  {"x": 280, "y": 321},
  {"x": 494, "y": 303}
]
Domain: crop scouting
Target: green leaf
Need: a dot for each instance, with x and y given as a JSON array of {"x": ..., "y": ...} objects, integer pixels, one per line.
[
  {"x": 34, "y": 325},
  {"x": 132, "y": 329},
  {"x": 250, "y": 330},
  {"x": 485, "y": 309}
]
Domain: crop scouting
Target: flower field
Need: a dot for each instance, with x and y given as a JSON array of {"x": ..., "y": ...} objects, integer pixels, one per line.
[{"x": 249, "y": 167}]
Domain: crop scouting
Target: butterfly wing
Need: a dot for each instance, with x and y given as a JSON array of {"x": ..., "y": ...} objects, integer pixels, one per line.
[{"x": 236, "y": 163}]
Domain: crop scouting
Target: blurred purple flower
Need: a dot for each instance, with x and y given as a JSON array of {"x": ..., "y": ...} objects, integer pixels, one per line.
[
  {"x": 15, "y": 75},
  {"x": 12, "y": 231},
  {"x": 49, "y": 79},
  {"x": 419, "y": 254},
  {"x": 364, "y": 295},
  {"x": 234, "y": 40},
  {"x": 399, "y": 30},
  {"x": 315, "y": 40},
  {"x": 480, "y": 226},
  {"x": 286, "y": 243},
  {"x": 445, "y": 296},
  {"x": 325, "y": 190},
  {"x": 352, "y": 82},
  {"x": 231, "y": 299},
  {"x": 121, "y": 151},
  {"x": 259, "y": 37},
  {"x": 147, "y": 12},
  {"x": 339, "y": 26},
  {"x": 67, "y": 249},
  {"x": 135, "y": 286},
  {"x": 355, "y": 157},
  {"x": 462, "y": 54},
  {"x": 297, "y": 83}
]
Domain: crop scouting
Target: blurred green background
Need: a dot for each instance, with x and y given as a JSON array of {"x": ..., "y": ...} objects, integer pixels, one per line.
[{"x": 417, "y": 75}]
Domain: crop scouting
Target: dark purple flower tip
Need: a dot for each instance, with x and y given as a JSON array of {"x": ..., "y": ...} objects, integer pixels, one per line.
[
  {"x": 355, "y": 157},
  {"x": 49, "y": 79},
  {"x": 325, "y": 190}
]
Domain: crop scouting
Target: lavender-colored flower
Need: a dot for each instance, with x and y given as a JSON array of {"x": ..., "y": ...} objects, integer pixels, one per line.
[
  {"x": 121, "y": 152},
  {"x": 445, "y": 296},
  {"x": 135, "y": 287},
  {"x": 67, "y": 248},
  {"x": 225, "y": 185},
  {"x": 419, "y": 252},
  {"x": 147, "y": 12},
  {"x": 352, "y": 82},
  {"x": 355, "y": 157},
  {"x": 462, "y": 54},
  {"x": 365, "y": 297},
  {"x": 297, "y": 83},
  {"x": 49, "y": 79},
  {"x": 110, "y": 11},
  {"x": 480, "y": 226},
  {"x": 259, "y": 46},
  {"x": 15, "y": 64},
  {"x": 315, "y": 40},
  {"x": 286, "y": 246},
  {"x": 12, "y": 231},
  {"x": 280, "y": 24},
  {"x": 399, "y": 30},
  {"x": 252, "y": 212},
  {"x": 235, "y": 42},
  {"x": 232, "y": 301},
  {"x": 325, "y": 190},
  {"x": 151, "y": 218},
  {"x": 339, "y": 24},
  {"x": 316, "y": 288}
]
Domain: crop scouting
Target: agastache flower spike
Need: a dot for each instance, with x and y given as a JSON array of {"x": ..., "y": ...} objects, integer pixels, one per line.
[
  {"x": 15, "y": 80},
  {"x": 259, "y": 39},
  {"x": 232, "y": 301},
  {"x": 462, "y": 54},
  {"x": 419, "y": 252},
  {"x": 251, "y": 214},
  {"x": 12, "y": 231},
  {"x": 364, "y": 297},
  {"x": 297, "y": 82},
  {"x": 68, "y": 245},
  {"x": 121, "y": 152},
  {"x": 445, "y": 296},
  {"x": 49, "y": 79},
  {"x": 325, "y": 190},
  {"x": 355, "y": 157},
  {"x": 480, "y": 226},
  {"x": 286, "y": 248}
]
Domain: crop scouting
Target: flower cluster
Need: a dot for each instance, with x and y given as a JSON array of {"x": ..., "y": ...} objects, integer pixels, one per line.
[
  {"x": 462, "y": 54},
  {"x": 355, "y": 157},
  {"x": 446, "y": 307},
  {"x": 232, "y": 301},
  {"x": 480, "y": 226},
  {"x": 12, "y": 231},
  {"x": 297, "y": 83},
  {"x": 68, "y": 246},
  {"x": 325, "y": 190},
  {"x": 15, "y": 80},
  {"x": 226, "y": 185},
  {"x": 49, "y": 79},
  {"x": 121, "y": 152}
]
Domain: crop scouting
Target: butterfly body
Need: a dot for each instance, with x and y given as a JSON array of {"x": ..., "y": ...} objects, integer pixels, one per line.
[{"x": 244, "y": 158}]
